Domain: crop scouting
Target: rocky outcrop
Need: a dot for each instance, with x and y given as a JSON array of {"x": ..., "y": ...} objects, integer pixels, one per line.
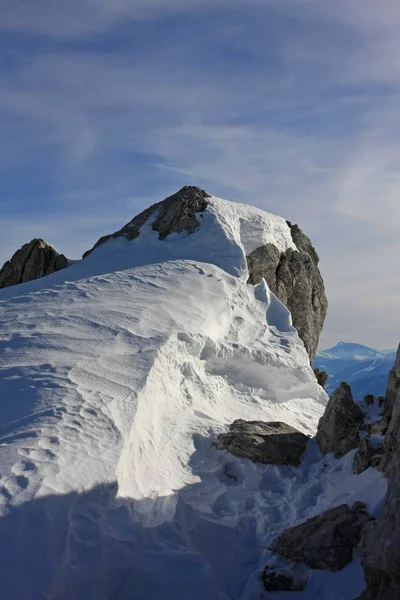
[
  {"x": 278, "y": 579},
  {"x": 176, "y": 213},
  {"x": 321, "y": 376},
  {"x": 32, "y": 261},
  {"x": 271, "y": 443},
  {"x": 380, "y": 544},
  {"x": 325, "y": 541},
  {"x": 366, "y": 456},
  {"x": 295, "y": 279},
  {"x": 393, "y": 388},
  {"x": 338, "y": 428}
]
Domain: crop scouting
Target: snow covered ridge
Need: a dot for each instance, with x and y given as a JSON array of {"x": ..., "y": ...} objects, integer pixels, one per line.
[
  {"x": 117, "y": 374},
  {"x": 244, "y": 241}
]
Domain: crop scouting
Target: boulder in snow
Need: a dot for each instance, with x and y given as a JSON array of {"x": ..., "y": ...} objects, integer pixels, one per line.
[
  {"x": 325, "y": 541},
  {"x": 338, "y": 428},
  {"x": 32, "y": 261},
  {"x": 272, "y": 443}
]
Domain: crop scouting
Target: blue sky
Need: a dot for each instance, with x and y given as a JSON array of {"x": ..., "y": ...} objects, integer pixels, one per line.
[{"x": 290, "y": 105}]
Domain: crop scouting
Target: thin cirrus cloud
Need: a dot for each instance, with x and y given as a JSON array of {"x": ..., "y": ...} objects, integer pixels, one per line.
[{"x": 106, "y": 107}]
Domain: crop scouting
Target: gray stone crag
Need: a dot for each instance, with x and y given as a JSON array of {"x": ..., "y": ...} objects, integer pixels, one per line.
[
  {"x": 380, "y": 544},
  {"x": 338, "y": 428},
  {"x": 325, "y": 541},
  {"x": 32, "y": 261},
  {"x": 321, "y": 376},
  {"x": 393, "y": 388},
  {"x": 294, "y": 277},
  {"x": 366, "y": 456},
  {"x": 176, "y": 213},
  {"x": 272, "y": 443}
]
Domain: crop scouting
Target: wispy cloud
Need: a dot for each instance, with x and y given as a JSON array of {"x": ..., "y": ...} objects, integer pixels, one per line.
[{"x": 290, "y": 106}]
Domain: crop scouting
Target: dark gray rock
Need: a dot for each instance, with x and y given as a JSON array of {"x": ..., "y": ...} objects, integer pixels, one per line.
[
  {"x": 325, "y": 541},
  {"x": 321, "y": 376},
  {"x": 32, "y": 261},
  {"x": 175, "y": 214},
  {"x": 270, "y": 443},
  {"x": 369, "y": 399},
  {"x": 393, "y": 388},
  {"x": 294, "y": 277},
  {"x": 366, "y": 456},
  {"x": 277, "y": 579},
  {"x": 380, "y": 543},
  {"x": 338, "y": 428}
]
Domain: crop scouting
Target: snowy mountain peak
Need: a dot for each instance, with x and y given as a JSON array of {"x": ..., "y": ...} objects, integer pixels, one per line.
[
  {"x": 191, "y": 209},
  {"x": 344, "y": 350}
]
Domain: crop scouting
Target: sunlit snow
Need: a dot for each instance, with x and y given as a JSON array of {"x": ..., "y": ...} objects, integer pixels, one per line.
[{"x": 117, "y": 374}]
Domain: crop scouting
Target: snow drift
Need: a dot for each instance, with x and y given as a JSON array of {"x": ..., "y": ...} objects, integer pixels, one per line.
[{"x": 117, "y": 374}]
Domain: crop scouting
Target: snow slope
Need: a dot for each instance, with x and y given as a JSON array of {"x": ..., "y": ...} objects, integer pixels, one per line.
[{"x": 116, "y": 376}]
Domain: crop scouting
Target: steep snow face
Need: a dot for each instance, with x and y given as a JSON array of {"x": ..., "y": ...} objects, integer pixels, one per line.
[{"x": 116, "y": 376}]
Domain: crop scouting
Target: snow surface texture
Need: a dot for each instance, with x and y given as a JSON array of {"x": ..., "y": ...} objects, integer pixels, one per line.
[{"x": 117, "y": 374}]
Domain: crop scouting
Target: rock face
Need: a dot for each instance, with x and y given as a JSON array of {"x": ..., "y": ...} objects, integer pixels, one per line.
[
  {"x": 325, "y": 541},
  {"x": 293, "y": 276},
  {"x": 32, "y": 261},
  {"x": 393, "y": 387},
  {"x": 295, "y": 279},
  {"x": 321, "y": 376},
  {"x": 338, "y": 428},
  {"x": 175, "y": 214},
  {"x": 271, "y": 443},
  {"x": 366, "y": 456},
  {"x": 380, "y": 544}
]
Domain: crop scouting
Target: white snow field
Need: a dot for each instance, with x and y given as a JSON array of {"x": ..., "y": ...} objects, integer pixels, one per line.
[{"x": 116, "y": 375}]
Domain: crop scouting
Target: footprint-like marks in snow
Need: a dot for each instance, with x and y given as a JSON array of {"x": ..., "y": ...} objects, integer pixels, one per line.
[
  {"x": 23, "y": 467},
  {"x": 22, "y": 481}
]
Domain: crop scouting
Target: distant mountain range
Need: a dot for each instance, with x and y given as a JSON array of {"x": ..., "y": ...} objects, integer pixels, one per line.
[{"x": 365, "y": 369}]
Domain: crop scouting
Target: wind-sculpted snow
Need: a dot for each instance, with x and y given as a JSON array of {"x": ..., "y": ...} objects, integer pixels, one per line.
[{"x": 117, "y": 375}]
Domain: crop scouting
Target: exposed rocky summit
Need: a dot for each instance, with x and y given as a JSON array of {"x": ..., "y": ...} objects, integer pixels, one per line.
[
  {"x": 32, "y": 261},
  {"x": 325, "y": 541},
  {"x": 271, "y": 443},
  {"x": 293, "y": 275},
  {"x": 338, "y": 428},
  {"x": 295, "y": 279},
  {"x": 176, "y": 213}
]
